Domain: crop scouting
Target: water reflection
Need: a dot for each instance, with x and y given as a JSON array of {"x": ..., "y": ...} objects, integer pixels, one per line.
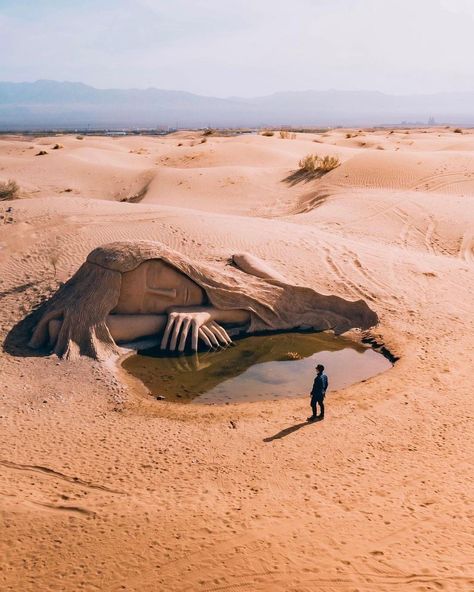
[{"x": 258, "y": 367}]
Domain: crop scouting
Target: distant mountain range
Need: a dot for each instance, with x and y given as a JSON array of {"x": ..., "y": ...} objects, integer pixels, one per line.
[{"x": 72, "y": 105}]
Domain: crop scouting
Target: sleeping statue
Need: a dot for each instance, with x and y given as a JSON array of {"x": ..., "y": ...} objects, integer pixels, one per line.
[{"x": 130, "y": 290}]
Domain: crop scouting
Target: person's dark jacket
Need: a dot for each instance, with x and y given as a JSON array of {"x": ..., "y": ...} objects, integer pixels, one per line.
[{"x": 320, "y": 386}]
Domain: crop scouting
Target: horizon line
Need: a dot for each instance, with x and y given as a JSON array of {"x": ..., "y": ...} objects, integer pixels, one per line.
[{"x": 230, "y": 97}]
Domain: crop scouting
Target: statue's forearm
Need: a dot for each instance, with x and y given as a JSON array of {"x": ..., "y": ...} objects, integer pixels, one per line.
[
  {"x": 130, "y": 327},
  {"x": 230, "y": 317}
]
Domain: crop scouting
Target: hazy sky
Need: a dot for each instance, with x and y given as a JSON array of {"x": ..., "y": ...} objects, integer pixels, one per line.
[{"x": 241, "y": 47}]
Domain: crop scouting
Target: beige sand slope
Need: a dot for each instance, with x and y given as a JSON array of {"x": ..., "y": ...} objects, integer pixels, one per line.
[{"x": 102, "y": 489}]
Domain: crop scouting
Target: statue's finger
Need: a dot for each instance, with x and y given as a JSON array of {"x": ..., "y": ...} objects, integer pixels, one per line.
[
  {"x": 204, "y": 337},
  {"x": 166, "y": 334},
  {"x": 220, "y": 338},
  {"x": 54, "y": 327},
  {"x": 176, "y": 330},
  {"x": 222, "y": 342},
  {"x": 227, "y": 336},
  {"x": 222, "y": 332},
  {"x": 195, "y": 334},
  {"x": 184, "y": 334},
  {"x": 211, "y": 336},
  {"x": 41, "y": 333}
]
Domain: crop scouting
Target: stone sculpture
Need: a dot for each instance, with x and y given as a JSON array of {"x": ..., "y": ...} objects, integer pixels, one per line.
[{"x": 132, "y": 289}]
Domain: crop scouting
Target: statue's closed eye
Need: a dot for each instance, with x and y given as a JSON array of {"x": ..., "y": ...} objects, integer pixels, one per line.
[{"x": 167, "y": 293}]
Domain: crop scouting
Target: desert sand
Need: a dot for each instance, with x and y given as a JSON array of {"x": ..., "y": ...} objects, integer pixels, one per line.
[{"x": 105, "y": 489}]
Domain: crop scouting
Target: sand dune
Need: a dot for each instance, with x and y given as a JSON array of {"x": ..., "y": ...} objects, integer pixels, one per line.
[{"x": 103, "y": 489}]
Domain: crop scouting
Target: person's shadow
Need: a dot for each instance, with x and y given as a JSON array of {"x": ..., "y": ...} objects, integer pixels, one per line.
[{"x": 288, "y": 431}]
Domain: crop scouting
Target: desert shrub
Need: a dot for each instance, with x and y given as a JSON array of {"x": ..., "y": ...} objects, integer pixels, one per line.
[
  {"x": 203, "y": 140},
  {"x": 287, "y": 135},
  {"x": 41, "y": 153},
  {"x": 268, "y": 133},
  {"x": 458, "y": 130},
  {"x": 328, "y": 163},
  {"x": 312, "y": 163},
  {"x": 309, "y": 163},
  {"x": 8, "y": 189},
  {"x": 208, "y": 132},
  {"x": 79, "y": 137},
  {"x": 58, "y": 146},
  {"x": 348, "y": 136}
]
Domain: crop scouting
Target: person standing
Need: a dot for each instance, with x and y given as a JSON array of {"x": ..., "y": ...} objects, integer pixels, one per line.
[{"x": 318, "y": 392}]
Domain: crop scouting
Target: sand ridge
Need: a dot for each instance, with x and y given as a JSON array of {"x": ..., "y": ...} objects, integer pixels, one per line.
[{"x": 105, "y": 489}]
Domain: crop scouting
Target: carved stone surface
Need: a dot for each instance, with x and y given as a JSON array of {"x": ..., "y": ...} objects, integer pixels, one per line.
[{"x": 130, "y": 289}]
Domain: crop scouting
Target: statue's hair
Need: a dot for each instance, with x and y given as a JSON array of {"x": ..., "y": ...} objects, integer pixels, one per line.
[{"x": 84, "y": 302}]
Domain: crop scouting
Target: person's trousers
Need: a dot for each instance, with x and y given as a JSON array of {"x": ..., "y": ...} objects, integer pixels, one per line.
[{"x": 317, "y": 400}]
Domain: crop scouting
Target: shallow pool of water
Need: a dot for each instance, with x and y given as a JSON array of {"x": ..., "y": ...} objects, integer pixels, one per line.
[{"x": 258, "y": 367}]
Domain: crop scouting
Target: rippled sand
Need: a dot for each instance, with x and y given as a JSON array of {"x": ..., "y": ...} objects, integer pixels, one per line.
[{"x": 102, "y": 489}]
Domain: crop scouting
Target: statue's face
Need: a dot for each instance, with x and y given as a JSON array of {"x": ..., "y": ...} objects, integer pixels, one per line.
[{"x": 153, "y": 287}]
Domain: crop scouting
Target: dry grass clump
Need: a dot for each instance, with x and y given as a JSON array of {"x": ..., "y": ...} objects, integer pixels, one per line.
[
  {"x": 328, "y": 163},
  {"x": 8, "y": 190},
  {"x": 312, "y": 163},
  {"x": 308, "y": 163},
  {"x": 287, "y": 135},
  {"x": 58, "y": 147},
  {"x": 458, "y": 130},
  {"x": 208, "y": 132},
  {"x": 268, "y": 133},
  {"x": 203, "y": 140},
  {"x": 41, "y": 153},
  {"x": 79, "y": 137}
]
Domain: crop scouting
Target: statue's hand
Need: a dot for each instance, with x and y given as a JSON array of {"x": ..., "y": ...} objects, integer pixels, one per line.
[{"x": 201, "y": 325}]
